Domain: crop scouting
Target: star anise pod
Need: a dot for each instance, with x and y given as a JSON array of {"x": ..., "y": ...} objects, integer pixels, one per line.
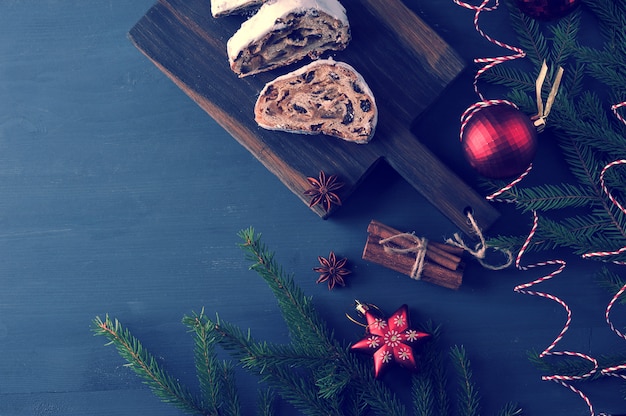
[
  {"x": 323, "y": 191},
  {"x": 332, "y": 270}
]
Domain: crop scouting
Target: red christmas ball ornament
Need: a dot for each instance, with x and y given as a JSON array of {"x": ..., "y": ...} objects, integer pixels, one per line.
[
  {"x": 498, "y": 140},
  {"x": 546, "y": 9},
  {"x": 389, "y": 340}
]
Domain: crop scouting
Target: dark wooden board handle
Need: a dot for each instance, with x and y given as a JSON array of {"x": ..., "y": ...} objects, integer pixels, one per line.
[
  {"x": 403, "y": 60},
  {"x": 434, "y": 180}
]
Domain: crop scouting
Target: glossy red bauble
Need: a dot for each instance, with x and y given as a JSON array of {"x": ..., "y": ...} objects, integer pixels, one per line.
[
  {"x": 546, "y": 9},
  {"x": 499, "y": 141}
]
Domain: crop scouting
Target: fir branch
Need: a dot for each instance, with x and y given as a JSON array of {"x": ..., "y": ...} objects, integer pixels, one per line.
[
  {"x": 230, "y": 403},
  {"x": 145, "y": 366},
  {"x": 514, "y": 243},
  {"x": 300, "y": 316},
  {"x": 581, "y": 160},
  {"x": 564, "y": 365},
  {"x": 207, "y": 365},
  {"x": 294, "y": 386},
  {"x": 331, "y": 380},
  {"x": 604, "y": 65},
  {"x": 531, "y": 40},
  {"x": 510, "y": 409},
  {"x": 588, "y": 135},
  {"x": 468, "y": 394},
  {"x": 309, "y": 331},
  {"x": 612, "y": 17},
  {"x": 611, "y": 281},
  {"x": 512, "y": 78},
  {"x": 561, "y": 235},
  {"x": 432, "y": 377},
  {"x": 353, "y": 405},
  {"x": 576, "y": 367},
  {"x": 551, "y": 197},
  {"x": 299, "y": 390},
  {"x": 260, "y": 357},
  {"x": 422, "y": 393},
  {"x": 267, "y": 363},
  {"x": 585, "y": 124},
  {"x": 266, "y": 405},
  {"x": 526, "y": 103},
  {"x": 377, "y": 396},
  {"x": 573, "y": 80},
  {"x": 564, "y": 39}
]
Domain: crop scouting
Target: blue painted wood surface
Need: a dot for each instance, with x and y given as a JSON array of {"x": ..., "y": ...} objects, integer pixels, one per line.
[{"x": 119, "y": 195}]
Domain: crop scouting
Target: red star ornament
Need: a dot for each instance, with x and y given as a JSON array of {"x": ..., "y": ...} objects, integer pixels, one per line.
[{"x": 389, "y": 340}]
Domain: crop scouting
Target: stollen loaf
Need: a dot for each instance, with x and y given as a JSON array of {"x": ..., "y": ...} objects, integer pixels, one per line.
[
  {"x": 221, "y": 8},
  {"x": 325, "y": 96},
  {"x": 285, "y": 31}
]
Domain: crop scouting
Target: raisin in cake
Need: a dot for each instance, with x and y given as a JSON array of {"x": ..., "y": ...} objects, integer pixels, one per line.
[
  {"x": 221, "y": 8},
  {"x": 324, "y": 96},
  {"x": 285, "y": 31}
]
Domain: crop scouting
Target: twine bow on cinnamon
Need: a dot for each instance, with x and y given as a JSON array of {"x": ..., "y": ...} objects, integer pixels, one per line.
[
  {"x": 479, "y": 252},
  {"x": 418, "y": 248},
  {"x": 414, "y": 256}
]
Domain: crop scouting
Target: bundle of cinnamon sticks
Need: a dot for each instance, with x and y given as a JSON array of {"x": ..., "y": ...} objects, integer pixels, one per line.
[{"x": 441, "y": 263}]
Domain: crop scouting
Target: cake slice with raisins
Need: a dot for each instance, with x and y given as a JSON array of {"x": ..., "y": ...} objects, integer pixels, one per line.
[
  {"x": 221, "y": 8},
  {"x": 285, "y": 31},
  {"x": 325, "y": 96}
]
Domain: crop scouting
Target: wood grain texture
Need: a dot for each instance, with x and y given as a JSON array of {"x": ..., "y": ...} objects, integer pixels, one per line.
[{"x": 404, "y": 62}]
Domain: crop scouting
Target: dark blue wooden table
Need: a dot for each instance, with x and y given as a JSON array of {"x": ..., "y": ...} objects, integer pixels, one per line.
[{"x": 119, "y": 195}]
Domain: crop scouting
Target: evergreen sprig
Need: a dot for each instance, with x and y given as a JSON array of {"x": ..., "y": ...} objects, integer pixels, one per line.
[
  {"x": 611, "y": 281},
  {"x": 216, "y": 379},
  {"x": 146, "y": 367},
  {"x": 578, "y": 215},
  {"x": 315, "y": 373},
  {"x": 429, "y": 386},
  {"x": 296, "y": 308},
  {"x": 469, "y": 399}
]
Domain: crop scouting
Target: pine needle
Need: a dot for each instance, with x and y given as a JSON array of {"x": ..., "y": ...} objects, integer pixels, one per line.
[
  {"x": 298, "y": 312},
  {"x": 207, "y": 365},
  {"x": 146, "y": 366},
  {"x": 468, "y": 398}
]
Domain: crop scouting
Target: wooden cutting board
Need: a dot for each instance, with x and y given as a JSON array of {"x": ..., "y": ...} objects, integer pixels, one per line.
[{"x": 406, "y": 64}]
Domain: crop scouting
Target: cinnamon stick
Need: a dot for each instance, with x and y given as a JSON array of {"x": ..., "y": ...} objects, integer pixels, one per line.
[{"x": 442, "y": 263}]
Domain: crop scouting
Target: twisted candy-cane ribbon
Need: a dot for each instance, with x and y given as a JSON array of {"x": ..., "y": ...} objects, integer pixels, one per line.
[
  {"x": 540, "y": 123},
  {"x": 612, "y": 370},
  {"x": 489, "y": 62},
  {"x": 474, "y": 108},
  {"x": 523, "y": 288}
]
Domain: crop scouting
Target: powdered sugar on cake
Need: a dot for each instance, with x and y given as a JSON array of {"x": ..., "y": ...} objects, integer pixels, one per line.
[{"x": 270, "y": 18}]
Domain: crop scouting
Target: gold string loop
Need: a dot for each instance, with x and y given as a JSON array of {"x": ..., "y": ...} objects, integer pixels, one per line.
[{"x": 539, "y": 120}]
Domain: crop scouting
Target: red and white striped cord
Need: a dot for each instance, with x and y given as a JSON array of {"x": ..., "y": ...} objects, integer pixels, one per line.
[
  {"x": 474, "y": 108},
  {"x": 489, "y": 62},
  {"x": 615, "y": 202},
  {"x": 612, "y": 370},
  {"x": 614, "y": 107},
  {"x": 523, "y": 288},
  {"x": 494, "y": 196}
]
